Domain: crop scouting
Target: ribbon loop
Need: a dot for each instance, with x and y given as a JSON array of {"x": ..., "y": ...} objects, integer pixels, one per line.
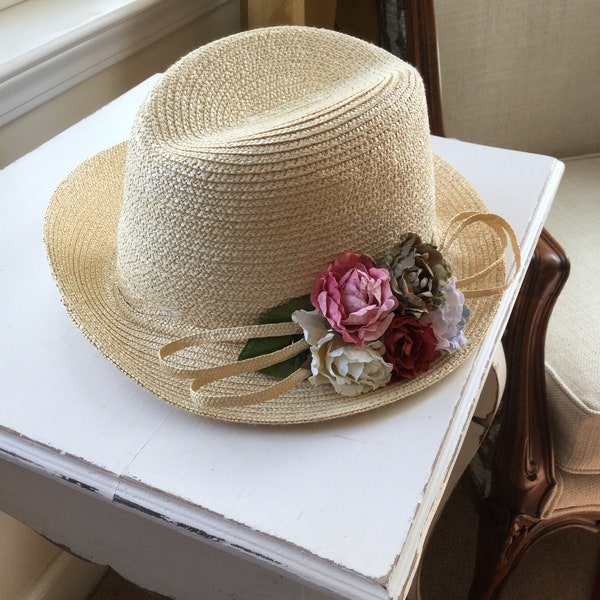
[
  {"x": 256, "y": 397},
  {"x": 206, "y": 375},
  {"x": 504, "y": 234}
]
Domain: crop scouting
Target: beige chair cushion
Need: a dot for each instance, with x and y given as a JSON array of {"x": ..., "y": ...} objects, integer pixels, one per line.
[
  {"x": 573, "y": 340},
  {"x": 572, "y": 493}
]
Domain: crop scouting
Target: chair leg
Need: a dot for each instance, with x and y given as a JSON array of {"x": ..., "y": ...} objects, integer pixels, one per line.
[
  {"x": 523, "y": 464},
  {"x": 501, "y": 543},
  {"x": 596, "y": 590},
  {"x": 504, "y": 539}
]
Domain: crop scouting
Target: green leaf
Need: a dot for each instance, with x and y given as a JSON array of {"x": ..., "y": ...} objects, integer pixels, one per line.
[{"x": 259, "y": 346}]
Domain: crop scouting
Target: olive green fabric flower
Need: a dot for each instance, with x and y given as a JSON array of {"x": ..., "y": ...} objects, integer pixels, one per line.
[{"x": 418, "y": 273}]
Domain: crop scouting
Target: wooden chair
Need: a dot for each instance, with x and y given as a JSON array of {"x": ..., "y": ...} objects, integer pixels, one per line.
[{"x": 528, "y": 494}]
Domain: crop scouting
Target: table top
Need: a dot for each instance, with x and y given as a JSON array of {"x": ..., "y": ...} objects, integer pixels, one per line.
[{"x": 344, "y": 505}]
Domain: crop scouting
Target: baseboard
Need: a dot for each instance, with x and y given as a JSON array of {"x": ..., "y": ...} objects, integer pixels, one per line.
[{"x": 66, "y": 577}]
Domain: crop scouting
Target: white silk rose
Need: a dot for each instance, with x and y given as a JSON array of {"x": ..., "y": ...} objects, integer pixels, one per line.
[{"x": 350, "y": 369}]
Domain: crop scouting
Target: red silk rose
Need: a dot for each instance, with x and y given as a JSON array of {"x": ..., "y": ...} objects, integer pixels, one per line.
[
  {"x": 409, "y": 346},
  {"x": 355, "y": 297}
]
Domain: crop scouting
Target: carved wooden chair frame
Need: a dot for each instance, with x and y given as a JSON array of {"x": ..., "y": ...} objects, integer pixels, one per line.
[{"x": 523, "y": 471}]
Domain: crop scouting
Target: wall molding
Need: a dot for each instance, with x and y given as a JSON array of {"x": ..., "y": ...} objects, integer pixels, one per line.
[
  {"x": 65, "y": 577},
  {"x": 69, "y": 56}
]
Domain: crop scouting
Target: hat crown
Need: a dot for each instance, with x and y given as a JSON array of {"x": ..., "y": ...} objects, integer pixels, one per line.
[{"x": 256, "y": 160}]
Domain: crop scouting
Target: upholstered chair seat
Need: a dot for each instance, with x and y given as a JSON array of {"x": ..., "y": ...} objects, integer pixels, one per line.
[{"x": 572, "y": 359}]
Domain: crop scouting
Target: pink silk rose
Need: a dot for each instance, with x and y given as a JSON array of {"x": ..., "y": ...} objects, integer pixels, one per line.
[
  {"x": 355, "y": 297},
  {"x": 409, "y": 346}
]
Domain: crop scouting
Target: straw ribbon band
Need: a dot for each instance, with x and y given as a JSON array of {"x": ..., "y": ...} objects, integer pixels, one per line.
[
  {"x": 256, "y": 397},
  {"x": 504, "y": 234},
  {"x": 204, "y": 376}
]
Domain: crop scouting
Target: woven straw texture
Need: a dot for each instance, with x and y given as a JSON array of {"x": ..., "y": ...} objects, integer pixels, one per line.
[
  {"x": 572, "y": 347},
  {"x": 274, "y": 163},
  {"x": 252, "y": 164}
]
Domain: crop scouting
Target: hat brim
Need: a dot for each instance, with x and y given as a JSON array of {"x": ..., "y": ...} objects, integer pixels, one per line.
[{"x": 80, "y": 235}]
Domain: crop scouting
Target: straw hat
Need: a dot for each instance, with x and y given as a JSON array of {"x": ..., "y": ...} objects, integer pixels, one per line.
[{"x": 253, "y": 163}]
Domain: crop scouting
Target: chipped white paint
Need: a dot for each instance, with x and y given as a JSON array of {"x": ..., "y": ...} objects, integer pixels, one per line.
[{"x": 343, "y": 507}]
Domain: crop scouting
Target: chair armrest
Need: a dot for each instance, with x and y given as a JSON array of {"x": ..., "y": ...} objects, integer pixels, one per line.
[{"x": 523, "y": 469}]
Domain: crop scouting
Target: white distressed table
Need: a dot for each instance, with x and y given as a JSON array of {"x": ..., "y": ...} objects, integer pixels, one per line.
[{"x": 194, "y": 508}]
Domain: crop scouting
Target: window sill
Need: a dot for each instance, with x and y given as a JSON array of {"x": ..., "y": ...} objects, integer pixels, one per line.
[{"x": 49, "y": 46}]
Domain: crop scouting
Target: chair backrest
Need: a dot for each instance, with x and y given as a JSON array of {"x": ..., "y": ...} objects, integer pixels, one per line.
[
  {"x": 522, "y": 75},
  {"x": 406, "y": 29},
  {"x": 411, "y": 34},
  {"x": 511, "y": 73}
]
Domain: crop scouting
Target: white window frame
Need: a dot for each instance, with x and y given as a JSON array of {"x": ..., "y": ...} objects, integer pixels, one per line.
[{"x": 49, "y": 46}]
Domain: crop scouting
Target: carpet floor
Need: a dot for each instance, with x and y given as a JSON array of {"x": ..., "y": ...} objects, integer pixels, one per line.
[{"x": 560, "y": 567}]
